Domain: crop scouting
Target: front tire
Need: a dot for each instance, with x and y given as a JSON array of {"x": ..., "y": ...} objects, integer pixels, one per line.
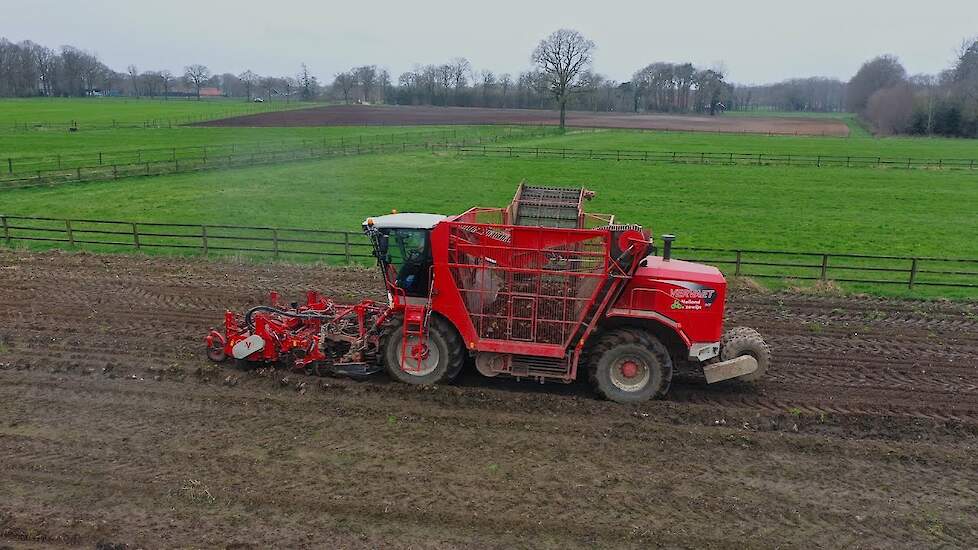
[
  {"x": 630, "y": 366},
  {"x": 441, "y": 356}
]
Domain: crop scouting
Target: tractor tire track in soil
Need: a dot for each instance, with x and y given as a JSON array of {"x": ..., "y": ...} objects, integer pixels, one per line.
[{"x": 114, "y": 428}]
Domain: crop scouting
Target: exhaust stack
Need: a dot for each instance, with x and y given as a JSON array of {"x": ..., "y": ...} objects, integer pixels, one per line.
[{"x": 667, "y": 246}]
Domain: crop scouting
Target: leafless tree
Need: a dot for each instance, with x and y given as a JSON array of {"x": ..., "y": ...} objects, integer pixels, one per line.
[
  {"x": 248, "y": 78},
  {"x": 384, "y": 81},
  {"x": 196, "y": 75},
  {"x": 882, "y": 72},
  {"x": 563, "y": 57},
  {"x": 366, "y": 78},
  {"x": 345, "y": 83},
  {"x": 890, "y": 109},
  {"x": 150, "y": 83},
  {"x": 166, "y": 80},
  {"x": 308, "y": 83},
  {"x": 134, "y": 79}
]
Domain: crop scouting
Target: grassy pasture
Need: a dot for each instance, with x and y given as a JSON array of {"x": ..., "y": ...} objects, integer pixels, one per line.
[
  {"x": 835, "y": 210},
  {"x": 898, "y": 147},
  {"x": 832, "y": 209},
  {"x": 125, "y": 110}
]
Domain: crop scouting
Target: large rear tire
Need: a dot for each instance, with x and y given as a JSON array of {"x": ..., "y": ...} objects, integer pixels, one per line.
[
  {"x": 441, "y": 356},
  {"x": 746, "y": 341},
  {"x": 630, "y": 366}
]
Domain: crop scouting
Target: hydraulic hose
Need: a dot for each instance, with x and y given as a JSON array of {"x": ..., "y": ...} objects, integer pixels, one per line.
[{"x": 282, "y": 312}]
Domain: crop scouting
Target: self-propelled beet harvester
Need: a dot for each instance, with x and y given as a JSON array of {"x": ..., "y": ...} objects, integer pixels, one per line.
[{"x": 538, "y": 290}]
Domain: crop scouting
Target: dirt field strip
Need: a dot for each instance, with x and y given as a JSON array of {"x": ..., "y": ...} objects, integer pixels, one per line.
[
  {"x": 115, "y": 429},
  {"x": 413, "y": 115}
]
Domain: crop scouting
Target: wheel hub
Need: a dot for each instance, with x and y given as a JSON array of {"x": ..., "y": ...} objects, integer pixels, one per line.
[
  {"x": 418, "y": 358},
  {"x": 629, "y": 369},
  {"x": 631, "y": 374}
]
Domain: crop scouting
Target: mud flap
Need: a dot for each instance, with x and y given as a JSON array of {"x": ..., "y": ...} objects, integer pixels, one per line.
[{"x": 732, "y": 368}]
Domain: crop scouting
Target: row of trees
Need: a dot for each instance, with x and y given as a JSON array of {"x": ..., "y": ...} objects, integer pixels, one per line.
[
  {"x": 816, "y": 94},
  {"x": 895, "y": 103},
  {"x": 561, "y": 73},
  {"x": 28, "y": 69}
]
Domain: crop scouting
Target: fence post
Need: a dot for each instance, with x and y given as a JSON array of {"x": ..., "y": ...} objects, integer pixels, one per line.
[
  {"x": 818, "y": 163},
  {"x": 913, "y": 274},
  {"x": 203, "y": 238},
  {"x": 10, "y": 165},
  {"x": 6, "y": 230},
  {"x": 115, "y": 172},
  {"x": 78, "y": 173},
  {"x": 737, "y": 271},
  {"x": 100, "y": 158},
  {"x": 346, "y": 246},
  {"x": 848, "y": 160},
  {"x": 135, "y": 237},
  {"x": 69, "y": 233},
  {"x": 825, "y": 267}
]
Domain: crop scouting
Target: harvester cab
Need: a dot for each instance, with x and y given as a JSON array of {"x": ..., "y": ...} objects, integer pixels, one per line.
[
  {"x": 539, "y": 290},
  {"x": 402, "y": 246}
]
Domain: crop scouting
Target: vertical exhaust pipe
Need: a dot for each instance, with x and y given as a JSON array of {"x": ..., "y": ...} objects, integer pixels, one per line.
[{"x": 667, "y": 246}]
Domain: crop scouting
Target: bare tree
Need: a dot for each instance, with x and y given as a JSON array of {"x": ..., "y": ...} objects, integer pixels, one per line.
[
  {"x": 882, "y": 72},
  {"x": 196, "y": 75},
  {"x": 366, "y": 77},
  {"x": 309, "y": 84},
  {"x": 150, "y": 81},
  {"x": 134, "y": 79},
  {"x": 345, "y": 82},
  {"x": 166, "y": 80},
  {"x": 563, "y": 57},
  {"x": 249, "y": 79},
  {"x": 891, "y": 109}
]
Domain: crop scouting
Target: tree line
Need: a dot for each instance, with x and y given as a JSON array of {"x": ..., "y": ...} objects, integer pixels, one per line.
[
  {"x": 944, "y": 104},
  {"x": 560, "y": 74},
  {"x": 28, "y": 69}
]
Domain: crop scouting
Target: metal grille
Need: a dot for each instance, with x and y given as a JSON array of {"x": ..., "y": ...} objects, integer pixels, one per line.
[
  {"x": 549, "y": 206},
  {"x": 530, "y": 285}
]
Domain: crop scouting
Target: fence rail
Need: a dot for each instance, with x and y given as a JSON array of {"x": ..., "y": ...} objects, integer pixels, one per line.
[
  {"x": 354, "y": 247},
  {"x": 704, "y": 157}
]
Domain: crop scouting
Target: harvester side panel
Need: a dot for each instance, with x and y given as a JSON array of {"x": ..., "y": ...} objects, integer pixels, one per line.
[{"x": 525, "y": 290}]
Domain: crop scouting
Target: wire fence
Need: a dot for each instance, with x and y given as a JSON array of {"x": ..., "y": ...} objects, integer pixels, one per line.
[
  {"x": 707, "y": 158},
  {"x": 147, "y": 162},
  {"x": 353, "y": 247}
]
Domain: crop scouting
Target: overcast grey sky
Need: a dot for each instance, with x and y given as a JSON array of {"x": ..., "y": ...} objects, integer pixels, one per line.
[{"x": 758, "y": 41}]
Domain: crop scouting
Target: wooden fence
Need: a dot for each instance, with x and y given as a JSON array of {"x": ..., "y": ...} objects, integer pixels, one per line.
[
  {"x": 354, "y": 247},
  {"x": 99, "y": 166},
  {"x": 704, "y": 157}
]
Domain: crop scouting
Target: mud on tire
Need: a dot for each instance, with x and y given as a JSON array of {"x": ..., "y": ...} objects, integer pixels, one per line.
[
  {"x": 446, "y": 354},
  {"x": 746, "y": 341},
  {"x": 629, "y": 366}
]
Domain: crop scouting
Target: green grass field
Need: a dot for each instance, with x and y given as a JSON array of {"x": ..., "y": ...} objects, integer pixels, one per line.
[
  {"x": 124, "y": 110},
  {"x": 834, "y": 210},
  {"x": 897, "y": 147}
]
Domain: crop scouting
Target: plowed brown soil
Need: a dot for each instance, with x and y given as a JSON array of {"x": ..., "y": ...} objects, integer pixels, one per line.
[
  {"x": 411, "y": 115},
  {"x": 115, "y": 430}
]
